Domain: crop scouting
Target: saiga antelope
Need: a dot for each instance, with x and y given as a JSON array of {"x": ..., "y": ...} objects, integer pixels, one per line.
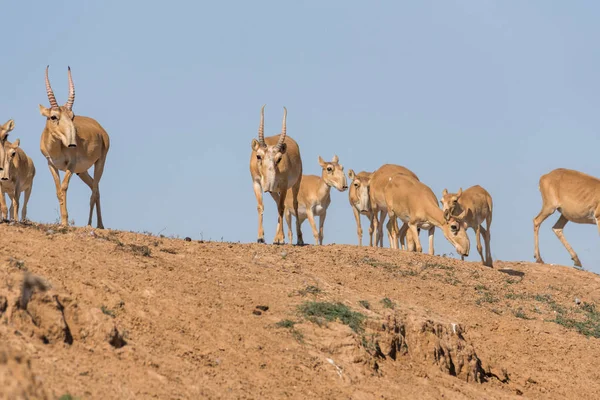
[
  {"x": 314, "y": 197},
  {"x": 473, "y": 206},
  {"x": 416, "y": 205},
  {"x": 379, "y": 179},
  {"x": 73, "y": 144},
  {"x": 358, "y": 195},
  {"x": 16, "y": 175},
  {"x": 576, "y": 196},
  {"x": 275, "y": 167}
]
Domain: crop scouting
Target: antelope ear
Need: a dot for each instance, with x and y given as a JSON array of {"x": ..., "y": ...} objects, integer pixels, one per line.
[
  {"x": 459, "y": 193},
  {"x": 464, "y": 225},
  {"x": 351, "y": 174},
  {"x": 444, "y": 192},
  {"x": 283, "y": 148},
  {"x": 335, "y": 159},
  {"x": 322, "y": 162},
  {"x": 16, "y": 143},
  {"x": 255, "y": 145},
  {"x": 9, "y": 125},
  {"x": 44, "y": 111}
]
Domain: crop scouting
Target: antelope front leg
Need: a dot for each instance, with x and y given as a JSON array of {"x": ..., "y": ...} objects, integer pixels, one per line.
[
  {"x": 25, "y": 201},
  {"x": 375, "y": 213},
  {"x": 311, "y": 220},
  {"x": 359, "y": 231},
  {"x": 14, "y": 204},
  {"x": 288, "y": 220},
  {"x": 478, "y": 233},
  {"x": 485, "y": 234},
  {"x": 558, "y": 230},
  {"x": 260, "y": 208},
  {"x": 321, "y": 225},
  {"x": 382, "y": 215},
  {"x": 3, "y": 207},
  {"x": 295, "y": 191},
  {"x": 431, "y": 233},
  {"x": 280, "y": 199},
  {"x": 60, "y": 193},
  {"x": 537, "y": 221},
  {"x": 371, "y": 229},
  {"x": 415, "y": 235}
]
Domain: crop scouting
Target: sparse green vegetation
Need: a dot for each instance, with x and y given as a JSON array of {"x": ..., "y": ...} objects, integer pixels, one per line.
[
  {"x": 107, "y": 311},
  {"x": 319, "y": 312},
  {"x": 590, "y": 326},
  {"x": 387, "y": 303},
  {"x": 285, "y": 323},
  {"x": 365, "y": 304},
  {"x": 142, "y": 250},
  {"x": 310, "y": 289},
  {"x": 68, "y": 396},
  {"x": 486, "y": 297},
  {"x": 519, "y": 313}
]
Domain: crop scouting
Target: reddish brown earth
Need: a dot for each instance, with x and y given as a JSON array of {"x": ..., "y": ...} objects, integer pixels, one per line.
[{"x": 117, "y": 315}]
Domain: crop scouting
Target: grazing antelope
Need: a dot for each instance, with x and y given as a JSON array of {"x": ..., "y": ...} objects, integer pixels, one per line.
[
  {"x": 314, "y": 197},
  {"x": 379, "y": 179},
  {"x": 73, "y": 144},
  {"x": 473, "y": 206},
  {"x": 358, "y": 195},
  {"x": 417, "y": 206},
  {"x": 576, "y": 196},
  {"x": 16, "y": 175},
  {"x": 275, "y": 167}
]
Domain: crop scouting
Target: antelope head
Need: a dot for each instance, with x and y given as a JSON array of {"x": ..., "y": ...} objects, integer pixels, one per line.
[
  {"x": 4, "y": 131},
  {"x": 455, "y": 231},
  {"x": 59, "y": 119},
  {"x": 269, "y": 158},
  {"x": 333, "y": 173},
  {"x": 359, "y": 191},
  {"x": 449, "y": 202}
]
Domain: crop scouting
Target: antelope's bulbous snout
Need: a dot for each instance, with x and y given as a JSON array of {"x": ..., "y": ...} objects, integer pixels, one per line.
[{"x": 72, "y": 146}]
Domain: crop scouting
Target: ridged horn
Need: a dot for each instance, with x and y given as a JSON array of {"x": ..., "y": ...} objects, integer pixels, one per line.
[
  {"x": 71, "y": 100},
  {"x": 49, "y": 91},
  {"x": 283, "y": 130},
  {"x": 261, "y": 127}
]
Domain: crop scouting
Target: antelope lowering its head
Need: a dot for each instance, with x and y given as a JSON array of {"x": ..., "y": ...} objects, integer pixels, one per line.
[
  {"x": 314, "y": 197},
  {"x": 473, "y": 206},
  {"x": 358, "y": 194},
  {"x": 16, "y": 174},
  {"x": 416, "y": 205},
  {"x": 576, "y": 196},
  {"x": 379, "y": 179},
  {"x": 275, "y": 167},
  {"x": 73, "y": 144}
]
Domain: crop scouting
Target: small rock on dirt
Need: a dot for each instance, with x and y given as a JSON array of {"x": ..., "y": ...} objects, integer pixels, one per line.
[
  {"x": 262, "y": 308},
  {"x": 577, "y": 301},
  {"x": 188, "y": 239},
  {"x": 256, "y": 312}
]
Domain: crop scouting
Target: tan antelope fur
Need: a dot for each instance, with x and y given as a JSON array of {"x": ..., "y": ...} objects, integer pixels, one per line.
[
  {"x": 358, "y": 195},
  {"x": 16, "y": 175},
  {"x": 314, "y": 197},
  {"x": 275, "y": 167},
  {"x": 576, "y": 196},
  {"x": 416, "y": 205},
  {"x": 73, "y": 144},
  {"x": 474, "y": 206},
  {"x": 379, "y": 179}
]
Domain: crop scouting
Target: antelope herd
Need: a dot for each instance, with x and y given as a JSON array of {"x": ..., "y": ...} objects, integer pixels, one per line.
[
  {"x": 396, "y": 192},
  {"x": 73, "y": 143}
]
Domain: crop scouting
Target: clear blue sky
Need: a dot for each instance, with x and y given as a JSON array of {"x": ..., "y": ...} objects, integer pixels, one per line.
[{"x": 494, "y": 93}]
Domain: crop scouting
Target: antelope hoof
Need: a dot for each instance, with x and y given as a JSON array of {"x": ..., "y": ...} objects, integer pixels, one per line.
[
  {"x": 539, "y": 261},
  {"x": 577, "y": 262},
  {"x": 260, "y": 240}
]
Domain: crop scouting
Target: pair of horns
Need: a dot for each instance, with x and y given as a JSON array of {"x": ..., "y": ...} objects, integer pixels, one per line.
[
  {"x": 261, "y": 129},
  {"x": 50, "y": 92}
]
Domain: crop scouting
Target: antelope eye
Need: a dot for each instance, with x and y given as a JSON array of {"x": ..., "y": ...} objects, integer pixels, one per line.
[
  {"x": 356, "y": 184},
  {"x": 278, "y": 161},
  {"x": 258, "y": 157}
]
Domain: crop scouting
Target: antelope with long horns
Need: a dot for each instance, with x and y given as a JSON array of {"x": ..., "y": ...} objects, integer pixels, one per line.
[
  {"x": 73, "y": 144},
  {"x": 16, "y": 175},
  {"x": 275, "y": 167},
  {"x": 576, "y": 196},
  {"x": 314, "y": 197}
]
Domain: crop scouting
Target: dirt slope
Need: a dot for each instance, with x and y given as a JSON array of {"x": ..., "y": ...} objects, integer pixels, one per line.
[{"x": 117, "y": 315}]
